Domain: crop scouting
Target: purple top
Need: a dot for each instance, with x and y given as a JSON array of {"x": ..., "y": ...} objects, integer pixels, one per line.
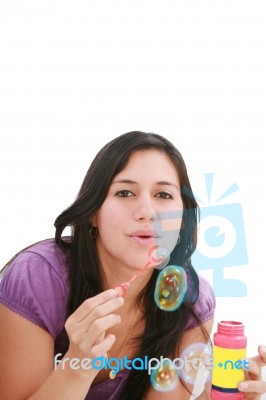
[{"x": 35, "y": 286}]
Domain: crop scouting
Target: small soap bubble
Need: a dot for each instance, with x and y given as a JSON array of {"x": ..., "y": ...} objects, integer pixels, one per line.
[
  {"x": 163, "y": 263},
  {"x": 171, "y": 287},
  {"x": 165, "y": 377},
  {"x": 198, "y": 363},
  {"x": 159, "y": 257}
]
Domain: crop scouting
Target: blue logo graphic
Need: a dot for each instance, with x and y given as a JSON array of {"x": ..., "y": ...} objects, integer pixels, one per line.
[
  {"x": 238, "y": 364},
  {"x": 222, "y": 241}
]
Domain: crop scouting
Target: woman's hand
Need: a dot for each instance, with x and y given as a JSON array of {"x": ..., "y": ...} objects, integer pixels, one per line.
[
  {"x": 87, "y": 326},
  {"x": 253, "y": 386}
]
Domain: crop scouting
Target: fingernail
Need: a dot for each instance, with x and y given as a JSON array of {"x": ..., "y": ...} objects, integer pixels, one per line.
[
  {"x": 111, "y": 293},
  {"x": 119, "y": 290},
  {"x": 121, "y": 300},
  {"x": 264, "y": 349},
  {"x": 243, "y": 386}
]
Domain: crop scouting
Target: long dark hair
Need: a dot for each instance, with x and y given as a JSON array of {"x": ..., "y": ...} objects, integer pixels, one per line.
[{"x": 163, "y": 330}]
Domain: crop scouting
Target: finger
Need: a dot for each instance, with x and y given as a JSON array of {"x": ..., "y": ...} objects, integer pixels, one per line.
[
  {"x": 252, "y": 386},
  {"x": 103, "y": 347},
  {"x": 101, "y": 325},
  {"x": 252, "y": 369},
  {"x": 101, "y": 311},
  {"x": 252, "y": 396},
  {"x": 262, "y": 353},
  {"x": 100, "y": 338},
  {"x": 261, "y": 358},
  {"x": 120, "y": 291},
  {"x": 98, "y": 327},
  {"x": 89, "y": 304}
]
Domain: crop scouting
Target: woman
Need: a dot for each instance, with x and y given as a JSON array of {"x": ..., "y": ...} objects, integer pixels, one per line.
[{"x": 58, "y": 297}]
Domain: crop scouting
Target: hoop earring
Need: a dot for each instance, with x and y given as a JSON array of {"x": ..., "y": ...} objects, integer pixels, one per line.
[
  {"x": 178, "y": 240},
  {"x": 93, "y": 232}
]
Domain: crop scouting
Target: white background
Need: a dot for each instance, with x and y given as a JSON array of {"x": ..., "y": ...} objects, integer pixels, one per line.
[{"x": 75, "y": 74}]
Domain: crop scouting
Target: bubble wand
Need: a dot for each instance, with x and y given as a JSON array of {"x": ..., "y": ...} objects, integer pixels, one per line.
[
  {"x": 158, "y": 257},
  {"x": 171, "y": 284}
]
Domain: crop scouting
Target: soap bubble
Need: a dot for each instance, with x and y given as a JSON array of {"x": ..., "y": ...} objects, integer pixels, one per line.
[
  {"x": 198, "y": 363},
  {"x": 159, "y": 257},
  {"x": 171, "y": 287},
  {"x": 165, "y": 377}
]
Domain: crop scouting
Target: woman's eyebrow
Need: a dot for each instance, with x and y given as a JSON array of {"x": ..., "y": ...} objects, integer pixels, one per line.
[
  {"x": 129, "y": 181},
  {"x": 125, "y": 181},
  {"x": 166, "y": 183}
]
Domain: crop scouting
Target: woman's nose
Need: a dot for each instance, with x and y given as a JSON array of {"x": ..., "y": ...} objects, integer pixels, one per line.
[{"x": 145, "y": 210}]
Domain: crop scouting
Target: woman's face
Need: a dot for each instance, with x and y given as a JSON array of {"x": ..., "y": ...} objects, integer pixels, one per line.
[{"x": 143, "y": 208}]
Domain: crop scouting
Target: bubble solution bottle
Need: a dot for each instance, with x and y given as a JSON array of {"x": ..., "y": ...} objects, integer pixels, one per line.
[{"x": 229, "y": 350}]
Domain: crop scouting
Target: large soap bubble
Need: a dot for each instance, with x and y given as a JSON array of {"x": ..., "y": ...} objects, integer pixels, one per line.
[
  {"x": 198, "y": 363},
  {"x": 171, "y": 287}
]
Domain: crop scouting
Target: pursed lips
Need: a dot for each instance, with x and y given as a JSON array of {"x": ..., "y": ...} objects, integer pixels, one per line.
[{"x": 143, "y": 237}]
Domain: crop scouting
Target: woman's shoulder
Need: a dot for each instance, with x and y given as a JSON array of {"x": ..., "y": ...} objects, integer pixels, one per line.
[
  {"x": 35, "y": 285},
  {"x": 46, "y": 251},
  {"x": 204, "y": 307},
  {"x": 39, "y": 258}
]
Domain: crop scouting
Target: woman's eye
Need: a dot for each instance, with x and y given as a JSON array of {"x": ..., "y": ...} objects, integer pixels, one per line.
[
  {"x": 124, "y": 193},
  {"x": 164, "y": 195}
]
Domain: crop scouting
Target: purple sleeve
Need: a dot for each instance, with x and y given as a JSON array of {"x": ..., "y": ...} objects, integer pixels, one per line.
[
  {"x": 205, "y": 305},
  {"x": 33, "y": 288}
]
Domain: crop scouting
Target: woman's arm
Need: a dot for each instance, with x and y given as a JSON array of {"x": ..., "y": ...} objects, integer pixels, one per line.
[
  {"x": 27, "y": 351},
  {"x": 26, "y": 363},
  {"x": 194, "y": 335}
]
